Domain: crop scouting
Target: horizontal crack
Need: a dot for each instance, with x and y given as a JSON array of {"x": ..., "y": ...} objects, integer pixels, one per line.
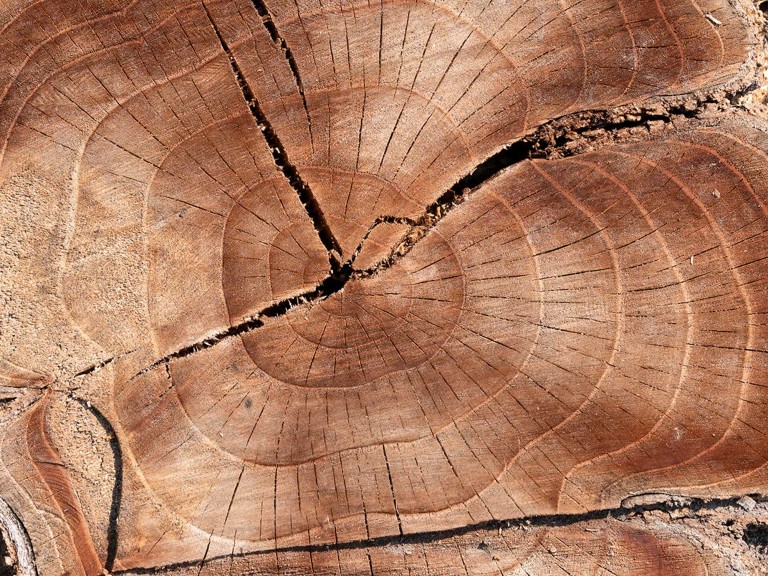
[
  {"x": 343, "y": 273},
  {"x": 102, "y": 364},
  {"x": 539, "y": 144},
  {"x": 535, "y": 521}
]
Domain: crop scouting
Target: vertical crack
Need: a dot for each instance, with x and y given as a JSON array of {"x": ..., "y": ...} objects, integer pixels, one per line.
[
  {"x": 280, "y": 155},
  {"x": 269, "y": 24},
  {"x": 392, "y": 490}
]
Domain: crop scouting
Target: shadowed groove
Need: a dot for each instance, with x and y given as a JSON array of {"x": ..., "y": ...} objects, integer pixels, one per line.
[
  {"x": 117, "y": 489},
  {"x": 279, "y": 153},
  {"x": 550, "y": 521}
]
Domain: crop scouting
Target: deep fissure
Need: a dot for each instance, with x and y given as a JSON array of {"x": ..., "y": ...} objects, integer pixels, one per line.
[
  {"x": 344, "y": 272},
  {"x": 279, "y": 154},
  {"x": 546, "y": 520},
  {"x": 269, "y": 24},
  {"x": 519, "y": 151}
]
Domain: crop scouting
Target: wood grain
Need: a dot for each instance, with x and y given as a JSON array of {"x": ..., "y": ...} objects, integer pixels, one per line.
[
  {"x": 274, "y": 278},
  {"x": 600, "y": 548}
]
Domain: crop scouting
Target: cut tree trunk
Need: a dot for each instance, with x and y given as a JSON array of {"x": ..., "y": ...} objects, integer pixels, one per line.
[{"x": 383, "y": 287}]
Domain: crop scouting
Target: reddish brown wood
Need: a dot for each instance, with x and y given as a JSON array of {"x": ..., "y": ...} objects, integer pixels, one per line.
[{"x": 264, "y": 289}]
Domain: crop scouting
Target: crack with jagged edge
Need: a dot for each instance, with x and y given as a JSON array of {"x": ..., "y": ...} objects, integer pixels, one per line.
[
  {"x": 279, "y": 153},
  {"x": 550, "y": 140},
  {"x": 338, "y": 278},
  {"x": 269, "y": 23},
  {"x": 621, "y": 512}
]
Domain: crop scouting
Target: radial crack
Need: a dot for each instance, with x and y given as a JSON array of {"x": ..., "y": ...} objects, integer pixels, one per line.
[
  {"x": 269, "y": 24},
  {"x": 280, "y": 155},
  {"x": 344, "y": 272},
  {"x": 330, "y": 285}
]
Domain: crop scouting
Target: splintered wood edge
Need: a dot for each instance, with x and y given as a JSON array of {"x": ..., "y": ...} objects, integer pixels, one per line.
[{"x": 17, "y": 538}]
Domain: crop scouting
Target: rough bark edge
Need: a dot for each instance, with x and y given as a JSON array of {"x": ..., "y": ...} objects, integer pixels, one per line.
[{"x": 17, "y": 539}]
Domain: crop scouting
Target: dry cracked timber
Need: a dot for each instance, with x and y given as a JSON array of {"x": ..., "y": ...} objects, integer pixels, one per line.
[{"x": 395, "y": 287}]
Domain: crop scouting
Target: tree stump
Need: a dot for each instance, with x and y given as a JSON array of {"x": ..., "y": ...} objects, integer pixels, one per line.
[{"x": 382, "y": 287}]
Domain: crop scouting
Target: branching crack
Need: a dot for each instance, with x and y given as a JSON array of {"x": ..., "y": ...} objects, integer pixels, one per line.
[
  {"x": 548, "y": 141},
  {"x": 344, "y": 272},
  {"x": 279, "y": 152}
]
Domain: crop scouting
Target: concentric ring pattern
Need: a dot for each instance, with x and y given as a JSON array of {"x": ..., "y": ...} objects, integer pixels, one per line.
[{"x": 577, "y": 331}]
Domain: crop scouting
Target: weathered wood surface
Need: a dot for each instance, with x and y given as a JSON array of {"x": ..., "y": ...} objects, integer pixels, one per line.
[
  {"x": 273, "y": 279},
  {"x": 722, "y": 538}
]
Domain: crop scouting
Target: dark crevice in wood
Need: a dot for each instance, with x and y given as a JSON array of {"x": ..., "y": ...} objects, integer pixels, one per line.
[
  {"x": 392, "y": 490},
  {"x": 380, "y": 220},
  {"x": 555, "y": 138},
  {"x": 756, "y": 535},
  {"x": 519, "y": 151},
  {"x": 546, "y": 521},
  {"x": 280, "y": 155},
  {"x": 14, "y": 535},
  {"x": 330, "y": 285},
  {"x": 344, "y": 272},
  {"x": 117, "y": 488},
  {"x": 735, "y": 97},
  {"x": 95, "y": 367},
  {"x": 269, "y": 24},
  {"x": 5, "y": 570},
  {"x": 489, "y": 168}
]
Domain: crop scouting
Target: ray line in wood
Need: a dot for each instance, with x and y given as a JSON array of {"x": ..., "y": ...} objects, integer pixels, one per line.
[{"x": 279, "y": 154}]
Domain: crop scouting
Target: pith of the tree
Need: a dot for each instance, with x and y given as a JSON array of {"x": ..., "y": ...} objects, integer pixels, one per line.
[{"x": 266, "y": 284}]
